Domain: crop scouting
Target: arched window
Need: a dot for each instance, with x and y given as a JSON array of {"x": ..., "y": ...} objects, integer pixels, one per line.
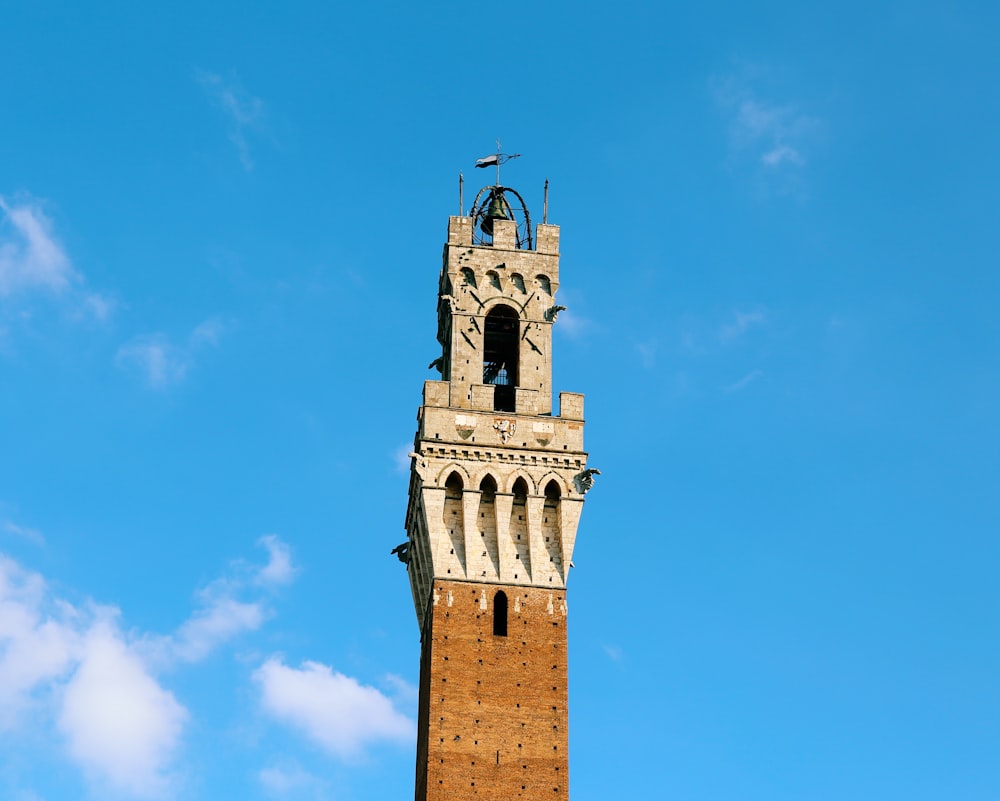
[
  {"x": 454, "y": 520},
  {"x": 500, "y": 614},
  {"x": 551, "y": 532},
  {"x": 453, "y": 486},
  {"x": 520, "y": 490},
  {"x": 552, "y": 493},
  {"x": 519, "y": 528},
  {"x": 500, "y": 355}
]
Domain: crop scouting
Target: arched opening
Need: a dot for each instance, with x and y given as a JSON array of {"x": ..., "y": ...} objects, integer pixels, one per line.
[
  {"x": 500, "y": 614},
  {"x": 487, "y": 525},
  {"x": 551, "y": 531},
  {"x": 519, "y": 530},
  {"x": 453, "y": 486},
  {"x": 544, "y": 284},
  {"x": 552, "y": 493},
  {"x": 500, "y": 354},
  {"x": 454, "y": 521}
]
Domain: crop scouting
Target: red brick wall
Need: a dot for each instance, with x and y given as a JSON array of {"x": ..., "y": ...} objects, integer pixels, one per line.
[{"x": 493, "y": 709}]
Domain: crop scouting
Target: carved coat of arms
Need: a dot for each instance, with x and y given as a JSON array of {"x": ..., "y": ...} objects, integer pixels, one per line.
[{"x": 505, "y": 427}]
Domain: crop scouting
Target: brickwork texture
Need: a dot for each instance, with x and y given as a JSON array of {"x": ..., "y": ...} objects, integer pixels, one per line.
[{"x": 493, "y": 715}]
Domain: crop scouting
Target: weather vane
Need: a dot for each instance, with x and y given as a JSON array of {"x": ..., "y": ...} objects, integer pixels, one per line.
[{"x": 497, "y": 159}]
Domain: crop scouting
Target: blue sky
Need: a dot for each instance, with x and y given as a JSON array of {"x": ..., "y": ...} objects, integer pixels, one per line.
[{"x": 220, "y": 234}]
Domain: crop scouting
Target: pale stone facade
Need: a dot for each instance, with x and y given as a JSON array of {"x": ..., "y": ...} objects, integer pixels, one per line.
[{"x": 466, "y": 534}]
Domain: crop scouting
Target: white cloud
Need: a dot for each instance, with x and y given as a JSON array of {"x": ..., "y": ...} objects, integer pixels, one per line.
[
  {"x": 222, "y": 614},
  {"x": 73, "y": 664},
  {"x": 572, "y": 324},
  {"x": 647, "y": 353},
  {"x": 39, "y": 637},
  {"x": 206, "y": 333},
  {"x": 744, "y": 382},
  {"x": 156, "y": 358},
  {"x": 220, "y": 620},
  {"x": 244, "y": 111},
  {"x": 402, "y": 690},
  {"x": 401, "y": 457},
  {"x": 741, "y": 323},
  {"x": 30, "y": 534},
  {"x": 333, "y": 710},
  {"x": 30, "y": 255},
  {"x": 160, "y": 361},
  {"x": 291, "y": 781},
  {"x": 33, "y": 260},
  {"x": 780, "y": 154},
  {"x": 614, "y": 653},
  {"x": 99, "y": 306},
  {"x": 776, "y": 133},
  {"x": 279, "y": 568},
  {"x": 122, "y": 727}
]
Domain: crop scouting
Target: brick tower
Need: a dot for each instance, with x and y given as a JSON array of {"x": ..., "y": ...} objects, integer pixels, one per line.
[{"x": 496, "y": 491}]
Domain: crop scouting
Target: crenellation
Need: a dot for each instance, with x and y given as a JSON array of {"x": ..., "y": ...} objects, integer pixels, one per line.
[{"x": 460, "y": 231}]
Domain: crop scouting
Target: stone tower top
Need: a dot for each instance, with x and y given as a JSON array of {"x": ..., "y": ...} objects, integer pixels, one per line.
[{"x": 487, "y": 431}]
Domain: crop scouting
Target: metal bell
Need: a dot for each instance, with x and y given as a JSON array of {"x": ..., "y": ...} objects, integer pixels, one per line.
[{"x": 496, "y": 211}]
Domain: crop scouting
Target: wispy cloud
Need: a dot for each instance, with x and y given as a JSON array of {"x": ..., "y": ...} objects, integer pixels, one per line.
[
  {"x": 233, "y": 604},
  {"x": 30, "y": 534},
  {"x": 34, "y": 262},
  {"x": 99, "y": 306},
  {"x": 781, "y": 154},
  {"x": 404, "y": 695},
  {"x": 162, "y": 362},
  {"x": 206, "y": 333},
  {"x": 30, "y": 255},
  {"x": 614, "y": 653},
  {"x": 291, "y": 781},
  {"x": 647, "y": 353},
  {"x": 335, "y": 711},
  {"x": 279, "y": 568},
  {"x": 740, "y": 324},
  {"x": 571, "y": 322},
  {"x": 401, "y": 457},
  {"x": 244, "y": 112},
  {"x": 221, "y": 618},
  {"x": 744, "y": 382},
  {"x": 776, "y": 134}
]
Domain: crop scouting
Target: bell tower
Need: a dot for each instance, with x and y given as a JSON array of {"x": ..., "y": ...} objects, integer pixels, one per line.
[{"x": 497, "y": 486}]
